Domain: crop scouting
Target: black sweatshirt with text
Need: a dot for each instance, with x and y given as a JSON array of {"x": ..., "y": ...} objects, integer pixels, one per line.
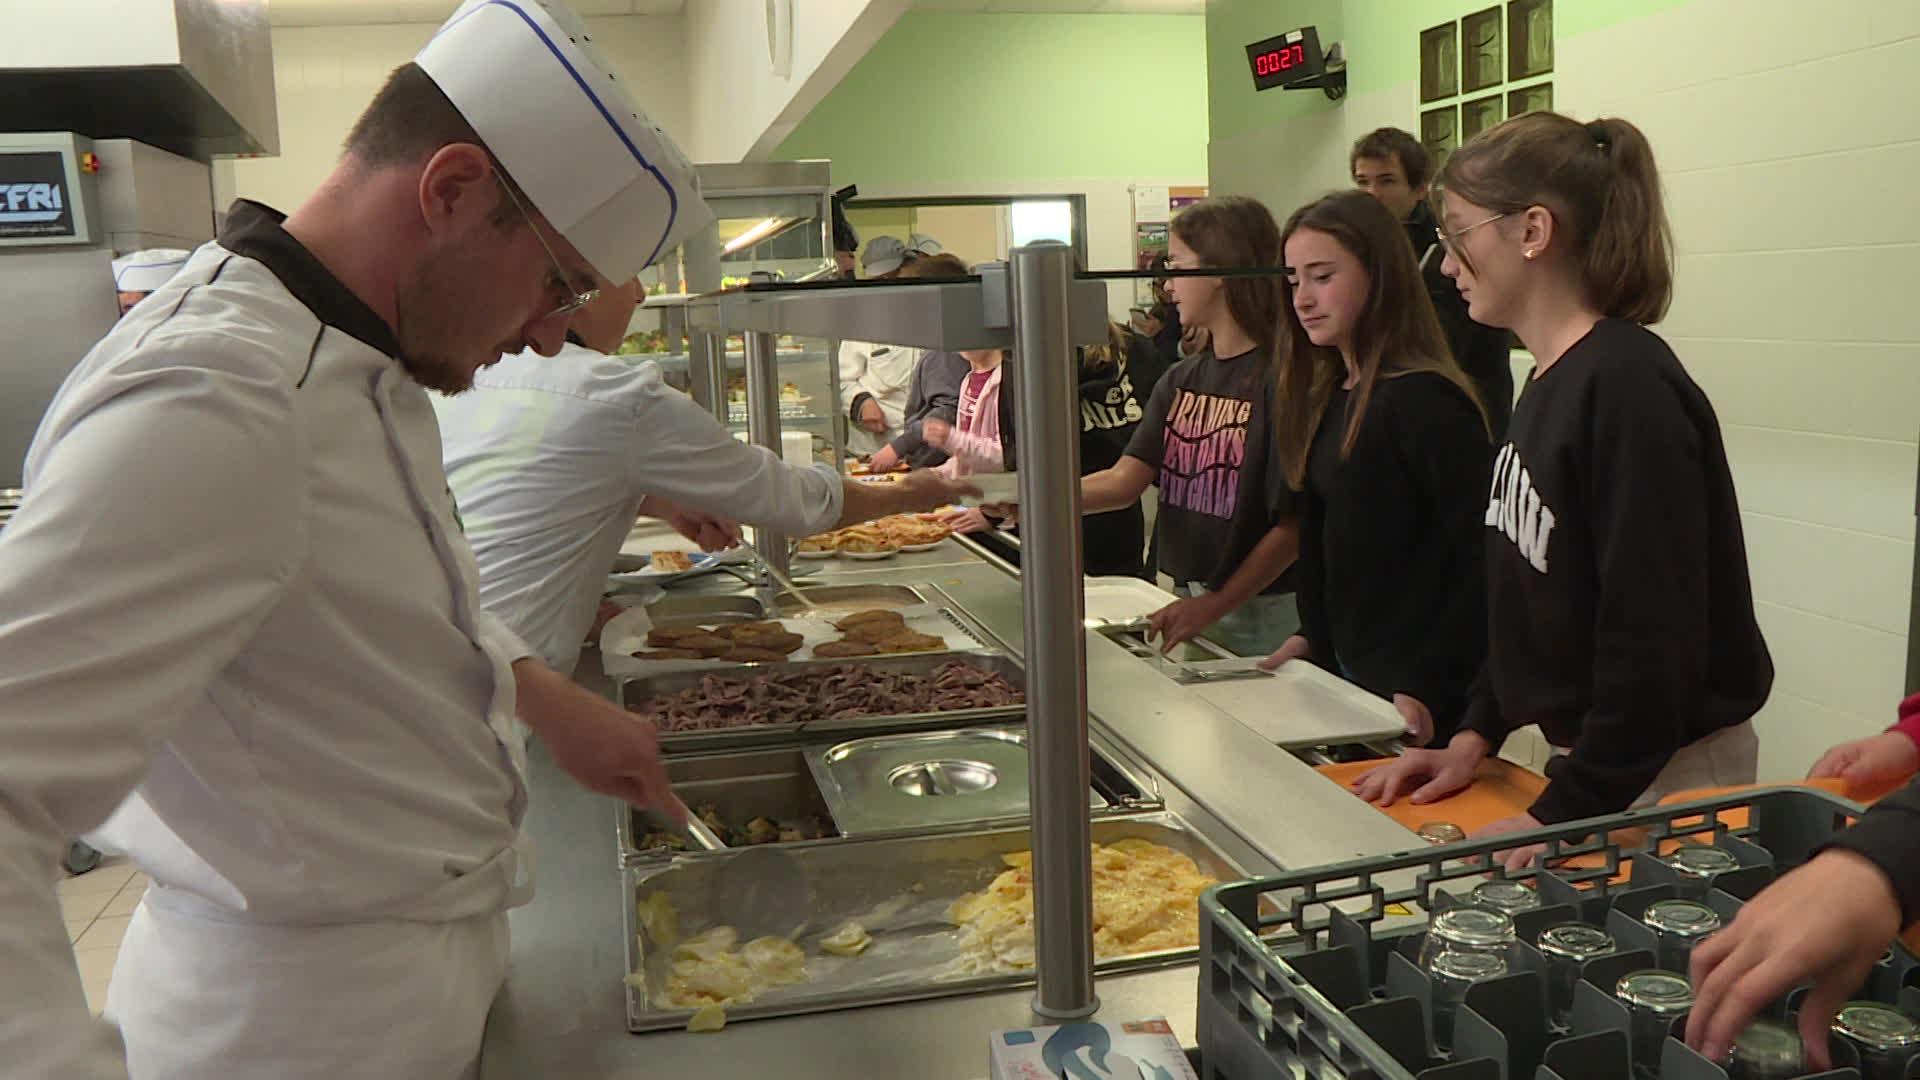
[{"x": 1619, "y": 609}]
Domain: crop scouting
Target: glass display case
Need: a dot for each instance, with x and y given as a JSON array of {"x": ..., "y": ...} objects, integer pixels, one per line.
[{"x": 773, "y": 223}]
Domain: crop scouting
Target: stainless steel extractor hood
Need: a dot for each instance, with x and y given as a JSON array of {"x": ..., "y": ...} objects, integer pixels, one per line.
[{"x": 194, "y": 77}]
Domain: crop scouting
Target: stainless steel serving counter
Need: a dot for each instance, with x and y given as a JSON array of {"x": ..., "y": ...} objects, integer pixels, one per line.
[{"x": 562, "y": 1012}]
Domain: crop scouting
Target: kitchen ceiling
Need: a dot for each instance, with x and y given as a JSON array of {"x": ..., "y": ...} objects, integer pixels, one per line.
[
  {"x": 1069, "y": 7},
  {"x": 364, "y": 12}
]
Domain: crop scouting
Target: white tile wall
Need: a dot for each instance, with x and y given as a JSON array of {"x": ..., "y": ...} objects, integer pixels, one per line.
[
  {"x": 1785, "y": 145},
  {"x": 1788, "y": 139}
]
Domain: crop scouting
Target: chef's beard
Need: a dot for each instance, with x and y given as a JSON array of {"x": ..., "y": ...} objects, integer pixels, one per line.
[{"x": 433, "y": 311}]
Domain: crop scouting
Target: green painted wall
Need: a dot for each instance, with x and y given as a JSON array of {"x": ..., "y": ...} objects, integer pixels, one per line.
[
  {"x": 984, "y": 97},
  {"x": 1382, "y": 42}
]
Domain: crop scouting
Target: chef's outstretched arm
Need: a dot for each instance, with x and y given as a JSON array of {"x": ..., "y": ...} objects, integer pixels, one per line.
[
  {"x": 601, "y": 745},
  {"x": 162, "y": 524}
]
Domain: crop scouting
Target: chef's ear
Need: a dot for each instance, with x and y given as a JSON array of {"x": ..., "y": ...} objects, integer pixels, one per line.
[{"x": 458, "y": 185}]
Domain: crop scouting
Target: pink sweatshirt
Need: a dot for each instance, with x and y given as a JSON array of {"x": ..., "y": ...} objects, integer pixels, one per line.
[{"x": 974, "y": 444}]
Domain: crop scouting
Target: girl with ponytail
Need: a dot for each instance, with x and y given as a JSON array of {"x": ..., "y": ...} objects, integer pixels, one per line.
[{"x": 1619, "y": 608}]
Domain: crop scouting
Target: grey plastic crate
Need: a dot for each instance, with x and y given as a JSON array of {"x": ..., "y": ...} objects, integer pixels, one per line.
[{"x": 1313, "y": 973}]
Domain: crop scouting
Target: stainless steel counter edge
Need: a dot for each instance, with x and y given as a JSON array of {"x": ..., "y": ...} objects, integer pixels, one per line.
[{"x": 562, "y": 1011}]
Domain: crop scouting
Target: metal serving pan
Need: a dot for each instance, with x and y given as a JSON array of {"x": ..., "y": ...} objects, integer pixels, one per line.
[
  {"x": 740, "y": 785},
  {"x": 782, "y": 784},
  {"x": 899, "y": 889},
  {"x": 634, "y": 691}
]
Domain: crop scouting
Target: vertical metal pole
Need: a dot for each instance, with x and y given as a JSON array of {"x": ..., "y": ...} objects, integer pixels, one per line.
[
  {"x": 763, "y": 429},
  {"x": 1047, "y": 423},
  {"x": 708, "y": 361},
  {"x": 707, "y": 356}
]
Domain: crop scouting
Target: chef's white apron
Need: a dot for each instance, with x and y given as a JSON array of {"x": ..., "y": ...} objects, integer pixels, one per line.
[{"x": 259, "y": 1002}]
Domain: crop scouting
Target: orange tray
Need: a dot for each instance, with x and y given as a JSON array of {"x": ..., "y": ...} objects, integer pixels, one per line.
[{"x": 1500, "y": 789}]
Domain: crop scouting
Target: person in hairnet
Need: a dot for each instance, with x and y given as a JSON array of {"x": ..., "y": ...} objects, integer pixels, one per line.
[
  {"x": 138, "y": 274},
  {"x": 239, "y": 600}
]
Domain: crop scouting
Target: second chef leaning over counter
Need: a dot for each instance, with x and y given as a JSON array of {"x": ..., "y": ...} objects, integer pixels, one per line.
[
  {"x": 1227, "y": 528},
  {"x": 1620, "y": 611},
  {"x": 1386, "y": 439},
  {"x": 239, "y": 588},
  {"x": 552, "y": 457}
]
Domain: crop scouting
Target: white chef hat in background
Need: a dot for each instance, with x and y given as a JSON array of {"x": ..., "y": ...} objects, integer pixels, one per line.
[
  {"x": 527, "y": 77},
  {"x": 145, "y": 271}
]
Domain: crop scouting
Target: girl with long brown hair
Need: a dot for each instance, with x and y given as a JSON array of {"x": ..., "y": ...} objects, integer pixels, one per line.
[
  {"x": 1227, "y": 532},
  {"x": 1620, "y": 613},
  {"x": 1387, "y": 440}
]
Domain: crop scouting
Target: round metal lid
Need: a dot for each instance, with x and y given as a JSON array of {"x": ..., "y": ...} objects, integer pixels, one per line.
[
  {"x": 1507, "y": 896},
  {"x": 1469, "y": 966},
  {"x": 1474, "y": 928},
  {"x": 1877, "y": 1026},
  {"x": 1696, "y": 860},
  {"x": 1441, "y": 832},
  {"x": 1683, "y": 918},
  {"x": 1575, "y": 941},
  {"x": 1656, "y": 991}
]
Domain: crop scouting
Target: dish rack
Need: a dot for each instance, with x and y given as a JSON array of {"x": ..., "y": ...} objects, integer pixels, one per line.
[{"x": 1313, "y": 973}]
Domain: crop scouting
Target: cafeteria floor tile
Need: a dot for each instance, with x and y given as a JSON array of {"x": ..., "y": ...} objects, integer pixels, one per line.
[{"x": 97, "y": 907}]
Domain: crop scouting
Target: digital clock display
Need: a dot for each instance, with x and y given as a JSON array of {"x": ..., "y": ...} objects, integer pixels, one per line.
[{"x": 1286, "y": 59}]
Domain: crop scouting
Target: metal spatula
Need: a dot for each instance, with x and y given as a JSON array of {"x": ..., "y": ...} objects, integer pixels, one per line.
[{"x": 761, "y": 892}]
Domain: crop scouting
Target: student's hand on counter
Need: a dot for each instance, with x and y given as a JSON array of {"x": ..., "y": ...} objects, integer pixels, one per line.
[
  {"x": 935, "y": 431},
  {"x": 1883, "y": 758},
  {"x": 884, "y": 461},
  {"x": 1827, "y": 922},
  {"x": 601, "y": 745},
  {"x": 1418, "y": 717},
  {"x": 1513, "y": 858},
  {"x": 1294, "y": 648},
  {"x": 871, "y": 417},
  {"x": 1430, "y": 775},
  {"x": 1185, "y": 619},
  {"x": 970, "y": 520}
]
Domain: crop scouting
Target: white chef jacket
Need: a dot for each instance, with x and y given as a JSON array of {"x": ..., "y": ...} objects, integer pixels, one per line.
[
  {"x": 549, "y": 458},
  {"x": 885, "y": 372},
  {"x": 237, "y": 581}
]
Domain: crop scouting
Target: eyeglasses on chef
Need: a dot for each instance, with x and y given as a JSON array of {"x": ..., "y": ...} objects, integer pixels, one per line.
[{"x": 578, "y": 298}]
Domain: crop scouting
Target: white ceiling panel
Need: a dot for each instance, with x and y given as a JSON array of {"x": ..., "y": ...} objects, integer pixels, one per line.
[
  {"x": 373, "y": 12},
  {"x": 1068, "y": 7}
]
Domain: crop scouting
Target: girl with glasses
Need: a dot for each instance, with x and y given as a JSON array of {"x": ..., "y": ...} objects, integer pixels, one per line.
[
  {"x": 1620, "y": 611},
  {"x": 1387, "y": 441}
]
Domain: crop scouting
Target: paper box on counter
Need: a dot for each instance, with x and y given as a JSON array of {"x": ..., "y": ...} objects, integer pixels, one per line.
[{"x": 1131, "y": 1050}]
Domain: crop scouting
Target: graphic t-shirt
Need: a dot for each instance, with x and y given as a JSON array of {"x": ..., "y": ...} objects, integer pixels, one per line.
[{"x": 1208, "y": 435}]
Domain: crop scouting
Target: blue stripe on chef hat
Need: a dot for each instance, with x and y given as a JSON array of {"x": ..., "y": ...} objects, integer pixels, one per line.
[{"x": 592, "y": 226}]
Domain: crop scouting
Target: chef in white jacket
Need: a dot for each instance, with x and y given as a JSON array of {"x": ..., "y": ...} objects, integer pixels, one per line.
[
  {"x": 239, "y": 586},
  {"x": 551, "y": 459}
]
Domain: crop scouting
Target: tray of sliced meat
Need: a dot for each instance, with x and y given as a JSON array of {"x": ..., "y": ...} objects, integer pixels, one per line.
[{"x": 774, "y": 702}]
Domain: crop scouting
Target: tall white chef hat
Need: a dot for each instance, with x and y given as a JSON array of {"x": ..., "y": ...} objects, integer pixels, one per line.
[
  {"x": 145, "y": 271},
  {"x": 529, "y": 80}
]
